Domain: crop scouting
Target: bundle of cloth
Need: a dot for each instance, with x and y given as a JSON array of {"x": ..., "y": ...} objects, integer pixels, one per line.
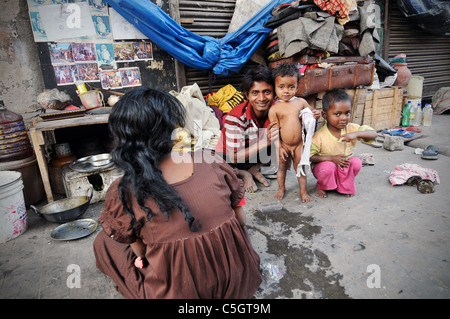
[{"x": 334, "y": 27}]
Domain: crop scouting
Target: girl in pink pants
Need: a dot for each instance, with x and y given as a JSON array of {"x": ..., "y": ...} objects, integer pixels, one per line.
[
  {"x": 332, "y": 146},
  {"x": 330, "y": 176}
]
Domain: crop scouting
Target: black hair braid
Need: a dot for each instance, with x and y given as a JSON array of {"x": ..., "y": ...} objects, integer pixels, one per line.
[{"x": 141, "y": 124}]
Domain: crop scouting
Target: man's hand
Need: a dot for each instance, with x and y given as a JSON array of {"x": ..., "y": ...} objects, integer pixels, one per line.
[{"x": 272, "y": 132}]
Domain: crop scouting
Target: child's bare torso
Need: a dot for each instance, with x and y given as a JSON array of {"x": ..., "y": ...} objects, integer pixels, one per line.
[{"x": 288, "y": 116}]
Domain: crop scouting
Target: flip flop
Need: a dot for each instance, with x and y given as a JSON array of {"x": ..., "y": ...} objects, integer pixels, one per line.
[
  {"x": 401, "y": 133},
  {"x": 425, "y": 186},
  {"x": 431, "y": 152}
]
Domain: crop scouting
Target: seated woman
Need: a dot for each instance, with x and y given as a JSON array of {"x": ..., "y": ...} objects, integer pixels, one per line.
[{"x": 172, "y": 226}]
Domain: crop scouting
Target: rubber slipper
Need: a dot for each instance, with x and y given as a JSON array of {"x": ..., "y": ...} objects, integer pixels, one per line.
[
  {"x": 425, "y": 186},
  {"x": 431, "y": 152},
  {"x": 400, "y": 132}
]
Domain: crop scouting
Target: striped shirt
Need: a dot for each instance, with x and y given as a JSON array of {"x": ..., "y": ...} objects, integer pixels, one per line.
[{"x": 240, "y": 129}]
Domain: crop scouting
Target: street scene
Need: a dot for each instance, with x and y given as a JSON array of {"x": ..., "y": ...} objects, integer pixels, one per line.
[{"x": 258, "y": 150}]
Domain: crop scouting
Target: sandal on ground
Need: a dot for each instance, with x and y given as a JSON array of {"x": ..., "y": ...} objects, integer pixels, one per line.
[
  {"x": 425, "y": 186},
  {"x": 431, "y": 152},
  {"x": 398, "y": 132}
]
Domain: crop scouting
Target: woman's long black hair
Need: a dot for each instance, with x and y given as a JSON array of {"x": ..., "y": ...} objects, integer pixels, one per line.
[{"x": 141, "y": 124}]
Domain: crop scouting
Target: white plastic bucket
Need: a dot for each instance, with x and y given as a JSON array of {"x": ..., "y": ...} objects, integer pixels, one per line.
[
  {"x": 415, "y": 87},
  {"x": 13, "y": 214}
]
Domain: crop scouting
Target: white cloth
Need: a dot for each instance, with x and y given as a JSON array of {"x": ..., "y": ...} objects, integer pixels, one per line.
[
  {"x": 308, "y": 128},
  {"x": 200, "y": 119},
  {"x": 403, "y": 172}
]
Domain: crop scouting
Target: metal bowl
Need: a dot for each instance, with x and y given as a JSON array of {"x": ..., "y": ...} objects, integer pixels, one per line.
[
  {"x": 92, "y": 163},
  {"x": 64, "y": 210},
  {"x": 100, "y": 160}
]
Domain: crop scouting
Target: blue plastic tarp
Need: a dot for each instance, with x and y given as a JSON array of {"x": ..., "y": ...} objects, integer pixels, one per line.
[{"x": 223, "y": 56}]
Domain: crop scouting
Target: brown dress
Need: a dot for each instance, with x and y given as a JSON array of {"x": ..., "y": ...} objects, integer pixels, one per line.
[{"x": 218, "y": 261}]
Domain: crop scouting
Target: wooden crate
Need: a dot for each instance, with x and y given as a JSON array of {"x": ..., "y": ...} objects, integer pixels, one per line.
[
  {"x": 380, "y": 109},
  {"x": 383, "y": 108}
]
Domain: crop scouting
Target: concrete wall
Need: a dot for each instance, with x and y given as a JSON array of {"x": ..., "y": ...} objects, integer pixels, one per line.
[{"x": 20, "y": 73}]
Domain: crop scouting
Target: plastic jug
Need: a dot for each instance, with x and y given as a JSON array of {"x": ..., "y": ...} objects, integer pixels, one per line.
[
  {"x": 418, "y": 116},
  {"x": 427, "y": 115},
  {"x": 412, "y": 112}
]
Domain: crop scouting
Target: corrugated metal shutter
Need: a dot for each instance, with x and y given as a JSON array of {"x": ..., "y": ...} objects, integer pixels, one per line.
[
  {"x": 426, "y": 54},
  {"x": 208, "y": 18}
]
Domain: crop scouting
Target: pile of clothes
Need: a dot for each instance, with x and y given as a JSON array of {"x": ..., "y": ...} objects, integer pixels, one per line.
[{"x": 320, "y": 28}]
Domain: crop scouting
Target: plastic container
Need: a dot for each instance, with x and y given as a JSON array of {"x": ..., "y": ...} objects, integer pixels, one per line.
[
  {"x": 13, "y": 214},
  {"x": 418, "y": 116},
  {"x": 405, "y": 115},
  {"x": 427, "y": 115},
  {"x": 33, "y": 187},
  {"x": 415, "y": 87},
  {"x": 91, "y": 99}
]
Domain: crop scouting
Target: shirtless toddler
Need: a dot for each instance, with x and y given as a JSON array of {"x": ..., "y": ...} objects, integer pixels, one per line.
[{"x": 286, "y": 111}]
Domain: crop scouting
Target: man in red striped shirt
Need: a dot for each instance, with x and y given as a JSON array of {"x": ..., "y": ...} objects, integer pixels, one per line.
[{"x": 247, "y": 134}]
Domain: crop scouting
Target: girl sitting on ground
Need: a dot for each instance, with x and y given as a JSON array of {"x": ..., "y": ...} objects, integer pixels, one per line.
[
  {"x": 332, "y": 146},
  {"x": 172, "y": 225}
]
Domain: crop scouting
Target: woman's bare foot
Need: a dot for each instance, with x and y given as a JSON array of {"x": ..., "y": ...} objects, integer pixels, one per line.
[
  {"x": 349, "y": 195},
  {"x": 305, "y": 197},
  {"x": 321, "y": 193},
  {"x": 279, "y": 194},
  {"x": 254, "y": 170}
]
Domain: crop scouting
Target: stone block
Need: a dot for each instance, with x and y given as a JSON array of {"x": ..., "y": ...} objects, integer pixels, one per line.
[{"x": 393, "y": 143}]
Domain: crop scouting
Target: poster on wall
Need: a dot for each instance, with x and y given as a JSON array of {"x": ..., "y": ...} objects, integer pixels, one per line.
[
  {"x": 84, "y": 52},
  {"x": 123, "y": 52},
  {"x": 65, "y": 74},
  {"x": 37, "y": 27},
  {"x": 105, "y": 56},
  {"x": 130, "y": 77},
  {"x": 88, "y": 72},
  {"x": 122, "y": 29},
  {"x": 142, "y": 51},
  {"x": 66, "y": 21},
  {"x": 98, "y": 7},
  {"x": 110, "y": 79},
  {"x": 102, "y": 28},
  {"x": 88, "y": 51},
  {"x": 60, "y": 53}
]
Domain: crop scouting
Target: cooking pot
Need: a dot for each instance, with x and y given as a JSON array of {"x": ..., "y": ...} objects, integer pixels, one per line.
[{"x": 64, "y": 210}]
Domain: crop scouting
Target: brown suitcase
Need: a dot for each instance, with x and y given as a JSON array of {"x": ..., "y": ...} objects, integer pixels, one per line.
[{"x": 345, "y": 76}]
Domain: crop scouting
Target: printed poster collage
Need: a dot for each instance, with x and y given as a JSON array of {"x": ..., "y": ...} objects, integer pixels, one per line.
[{"x": 89, "y": 41}]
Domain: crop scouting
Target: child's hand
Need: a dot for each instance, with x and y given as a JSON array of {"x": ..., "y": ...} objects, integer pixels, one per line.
[
  {"x": 283, "y": 153},
  {"x": 139, "y": 263},
  {"x": 348, "y": 137},
  {"x": 340, "y": 160},
  {"x": 316, "y": 114}
]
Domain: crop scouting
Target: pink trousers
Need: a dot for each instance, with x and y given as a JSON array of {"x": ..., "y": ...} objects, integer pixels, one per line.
[{"x": 330, "y": 176}]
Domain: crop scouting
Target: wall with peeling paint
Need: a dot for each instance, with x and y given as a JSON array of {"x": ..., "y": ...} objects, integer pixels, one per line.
[{"x": 20, "y": 73}]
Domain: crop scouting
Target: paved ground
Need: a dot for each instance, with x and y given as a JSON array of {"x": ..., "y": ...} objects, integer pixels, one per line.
[{"x": 386, "y": 242}]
